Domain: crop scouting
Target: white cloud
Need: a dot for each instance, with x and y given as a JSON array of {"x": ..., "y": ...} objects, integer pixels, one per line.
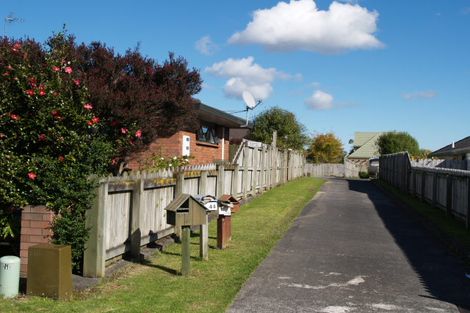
[
  {"x": 300, "y": 25},
  {"x": 206, "y": 46},
  {"x": 244, "y": 74},
  {"x": 320, "y": 100},
  {"x": 427, "y": 94}
]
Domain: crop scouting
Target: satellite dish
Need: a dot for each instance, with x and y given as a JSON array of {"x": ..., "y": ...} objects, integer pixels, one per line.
[
  {"x": 250, "y": 102},
  {"x": 249, "y": 99}
]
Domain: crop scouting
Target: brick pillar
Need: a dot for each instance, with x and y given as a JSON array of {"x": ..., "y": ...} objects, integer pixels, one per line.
[{"x": 36, "y": 224}]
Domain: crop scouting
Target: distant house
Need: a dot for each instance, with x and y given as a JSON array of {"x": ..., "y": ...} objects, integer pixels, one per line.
[
  {"x": 208, "y": 144},
  {"x": 459, "y": 150},
  {"x": 364, "y": 148}
]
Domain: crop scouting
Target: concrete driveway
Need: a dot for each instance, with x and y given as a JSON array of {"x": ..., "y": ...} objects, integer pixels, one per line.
[{"x": 355, "y": 250}]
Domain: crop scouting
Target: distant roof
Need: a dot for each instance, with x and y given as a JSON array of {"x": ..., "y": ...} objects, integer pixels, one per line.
[
  {"x": 216, "y": 116},
  {"x": 460, "y": 147},
  {"x": 367, "y": 145}
]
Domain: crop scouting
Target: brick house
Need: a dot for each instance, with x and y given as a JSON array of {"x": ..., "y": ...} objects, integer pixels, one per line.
[{"x": 210, "y": 143}]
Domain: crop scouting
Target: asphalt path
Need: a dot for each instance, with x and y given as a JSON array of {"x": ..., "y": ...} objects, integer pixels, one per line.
[{"x": 353, "y": 249}]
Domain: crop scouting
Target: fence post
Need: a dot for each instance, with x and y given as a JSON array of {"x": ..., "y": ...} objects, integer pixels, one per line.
[
  {"x": 137, "y": 203},
  {"x": 204, "y": 229},
  {"x": 220, "y": 180},
  {"x": 435, "y": 178},
  {"x": 467, "y": 217},
  {"x": 245, "y": 172},
  {"x": 179, "y": 183},
  {"x": 449, "y": 195},
  {"x": 179, "y": 190},
  {"x": 262, "y": 174},
  {"x": 255, "y": 177},
  {"x": 235, "y": 180},
  {"x": 423, "y": 182},
  {"x": 95, "y": 250},
  {"x": 269, "y": 168}
]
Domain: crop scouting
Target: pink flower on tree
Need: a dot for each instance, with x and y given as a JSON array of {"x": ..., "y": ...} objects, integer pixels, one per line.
[
  {"x": 55, "y": 68},
  {"x": 61, "y": 158},
  {"x": 88, "y": 106},
  {"x": 32, "y": 175},
  {"x": 16, "y": 47},
  {"x": 14, "y": 117},
  {"x": 124, "y": 130},
  {"x": 138, "y": 134},
  {"x": 56, "y": 114},
  {"x": 93, "y": 121},
  {"x": 42, "y": 137},
  {"x": 29, "y": 92},
  {"x": 68, "y": 70},
  {"x": 76, "y": 82}
]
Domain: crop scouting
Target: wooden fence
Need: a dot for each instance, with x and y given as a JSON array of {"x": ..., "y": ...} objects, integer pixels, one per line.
[
  {"x": 445, "y": 188},
  {"x": 129, "y": 211},
  {"x": 347, "y": 169}
]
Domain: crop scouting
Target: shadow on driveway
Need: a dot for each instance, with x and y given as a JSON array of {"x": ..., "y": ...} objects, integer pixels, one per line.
[{"x": 441, "y": 274}]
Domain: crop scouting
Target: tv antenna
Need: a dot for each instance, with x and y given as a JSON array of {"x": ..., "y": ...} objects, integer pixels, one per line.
[
  {"x": 10, "y": 19},
  {"x": 250, "y": 102}
]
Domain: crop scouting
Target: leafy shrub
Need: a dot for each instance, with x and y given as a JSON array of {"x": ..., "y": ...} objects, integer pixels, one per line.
[
  {"x": 363, "y": 175},
  {"x": 50, "y": 139},
  {"x": 157, "y": 162}
]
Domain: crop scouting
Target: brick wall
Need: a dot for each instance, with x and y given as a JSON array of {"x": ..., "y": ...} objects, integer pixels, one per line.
[
  {"x": 36, "y": 224},
  {"x": 201, "y": 152}
]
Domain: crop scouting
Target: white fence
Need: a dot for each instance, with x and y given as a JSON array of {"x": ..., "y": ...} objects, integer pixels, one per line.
[{"x": 129, "y": 211}]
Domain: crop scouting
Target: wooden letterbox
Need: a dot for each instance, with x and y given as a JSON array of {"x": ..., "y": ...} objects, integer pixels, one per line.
[
  {"x": 50, "y": 271},
  {"x": 185, "y": 210},
  {"x": 235, "y": 203}
]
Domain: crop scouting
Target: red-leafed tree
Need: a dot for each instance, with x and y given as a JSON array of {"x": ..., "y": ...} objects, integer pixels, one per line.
[{"x": 137, "y": 92}]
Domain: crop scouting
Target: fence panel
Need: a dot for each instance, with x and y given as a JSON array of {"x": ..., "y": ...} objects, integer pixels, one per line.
[
  {"x": 117, "y": 223},
  {"x": 430, "y": 180},
  {"x": 144, "y": 196}
]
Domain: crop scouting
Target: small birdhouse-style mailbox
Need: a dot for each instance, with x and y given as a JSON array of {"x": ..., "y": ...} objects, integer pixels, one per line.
[
  {"x": 185, "y": 210},
  {"x": 235, "y": 203}
]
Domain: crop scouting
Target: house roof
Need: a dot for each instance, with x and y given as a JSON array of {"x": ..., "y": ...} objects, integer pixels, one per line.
[
  {"x": 459, "y": 147},
  {"x": 366, "y": 143},
  {"x": 216, "y": 116}
]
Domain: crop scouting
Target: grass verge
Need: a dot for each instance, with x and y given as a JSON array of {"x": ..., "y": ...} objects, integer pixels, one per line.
[
  {"x": 212, "y": 285},
  {"x": 448, "y": 229}
]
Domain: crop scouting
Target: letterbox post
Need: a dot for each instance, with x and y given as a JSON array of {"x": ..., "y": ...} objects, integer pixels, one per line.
[{"x": 185, "y": 250}]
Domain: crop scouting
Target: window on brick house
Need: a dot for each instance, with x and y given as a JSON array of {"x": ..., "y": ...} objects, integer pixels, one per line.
[{"x": 206, "y": 133}]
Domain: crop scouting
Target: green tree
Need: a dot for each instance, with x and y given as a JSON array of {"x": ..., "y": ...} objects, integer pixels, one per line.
[
  {"x": 290, "y": 132},
  {"x": 393, "y": 142},
  {"x": 326, "y": 148}
]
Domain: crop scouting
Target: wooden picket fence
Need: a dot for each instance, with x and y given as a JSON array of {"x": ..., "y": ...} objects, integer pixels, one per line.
[
  {"x": 347, "y": 169},
  {"x": 445, "y": 188},
  {"x": 129, "y": 211}
]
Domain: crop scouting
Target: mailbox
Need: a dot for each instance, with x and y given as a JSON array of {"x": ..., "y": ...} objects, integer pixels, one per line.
[
  {"x": 210, "y": 202},
  {"x": 225, "y": 208},
  {"x": 235, "y": 203},
  {"x": 185, "y": 210}
]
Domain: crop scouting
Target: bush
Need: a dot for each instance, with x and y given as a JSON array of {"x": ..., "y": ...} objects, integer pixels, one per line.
[
  {"x": 363, "y": 175},
  {"x": 50, "y": 138}
]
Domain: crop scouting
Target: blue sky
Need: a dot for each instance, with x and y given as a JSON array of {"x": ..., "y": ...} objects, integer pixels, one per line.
[{"x": 341, "y": 67}]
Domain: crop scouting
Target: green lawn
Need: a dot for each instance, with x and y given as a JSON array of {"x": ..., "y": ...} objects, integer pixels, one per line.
[
  {"x": 212, "y": 285},
  {"x": 453, "y": 231}
]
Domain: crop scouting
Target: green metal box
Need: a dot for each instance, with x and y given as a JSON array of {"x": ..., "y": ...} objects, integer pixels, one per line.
[{"x": 50, "y": 271}]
